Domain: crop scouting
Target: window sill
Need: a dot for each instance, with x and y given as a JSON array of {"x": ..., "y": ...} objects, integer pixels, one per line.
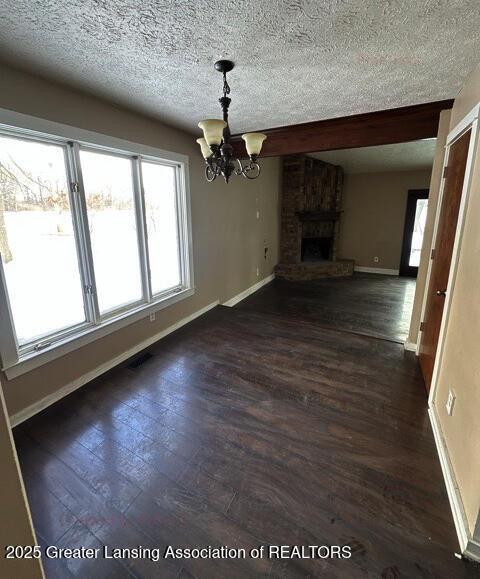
[{"x": 36, "y": 359}]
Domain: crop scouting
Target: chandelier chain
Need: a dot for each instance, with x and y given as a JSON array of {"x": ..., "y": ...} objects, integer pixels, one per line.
[{"x": 226, "y": 88}]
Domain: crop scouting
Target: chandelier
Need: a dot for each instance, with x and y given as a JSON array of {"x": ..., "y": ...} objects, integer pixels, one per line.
[{"x": 215, "y": 144}]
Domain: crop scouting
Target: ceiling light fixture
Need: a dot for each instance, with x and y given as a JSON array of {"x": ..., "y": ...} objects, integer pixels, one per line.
[{"x": 215, "y": 144}]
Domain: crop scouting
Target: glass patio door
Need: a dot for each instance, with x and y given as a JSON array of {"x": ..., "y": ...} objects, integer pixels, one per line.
[{"x": 415, "y": 219}]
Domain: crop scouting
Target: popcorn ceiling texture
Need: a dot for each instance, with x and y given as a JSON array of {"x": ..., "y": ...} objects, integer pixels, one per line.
[
  {"x": 411, "y": 156},
  {"x": 296, "y": 60}
]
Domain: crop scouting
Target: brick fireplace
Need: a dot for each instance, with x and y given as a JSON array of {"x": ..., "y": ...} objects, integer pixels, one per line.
[{"x": 310, "y": 220}]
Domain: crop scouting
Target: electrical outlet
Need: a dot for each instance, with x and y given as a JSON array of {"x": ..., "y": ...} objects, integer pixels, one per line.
[
  {"x": 258, "y": 272},
  {"x": 450, "y": 402},
  {"x": 258, "y": 214},
  {"x": 152, "y": 317},
  {"x": 375, "y": 259}
]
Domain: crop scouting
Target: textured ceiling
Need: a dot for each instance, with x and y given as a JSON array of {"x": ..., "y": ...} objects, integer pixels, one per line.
[
  {"x": 412, "y": 156},
  {"x": 297, "y": 60}
]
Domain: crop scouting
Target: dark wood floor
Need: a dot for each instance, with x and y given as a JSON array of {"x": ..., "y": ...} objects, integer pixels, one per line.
[
  {"x": 247, "y": 427},
  {"x": 373, "y": 305}
]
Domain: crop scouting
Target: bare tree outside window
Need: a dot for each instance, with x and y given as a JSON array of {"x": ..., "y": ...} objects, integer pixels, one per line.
[{"x": 37, "y": 240}]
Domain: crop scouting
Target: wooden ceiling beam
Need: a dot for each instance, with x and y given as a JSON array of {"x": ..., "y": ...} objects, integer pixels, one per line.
[{"x": 365, "y": 130}]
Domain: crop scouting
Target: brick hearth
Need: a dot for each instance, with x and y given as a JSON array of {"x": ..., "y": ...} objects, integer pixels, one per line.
[{"x": 314, "y": 270}]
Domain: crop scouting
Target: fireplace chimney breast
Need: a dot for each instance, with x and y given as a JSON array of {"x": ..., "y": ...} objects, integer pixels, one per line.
[{"x": 310, "y": 220}]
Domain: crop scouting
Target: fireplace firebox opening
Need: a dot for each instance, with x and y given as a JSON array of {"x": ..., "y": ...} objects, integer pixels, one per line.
[{"x": 317, "y": 248}]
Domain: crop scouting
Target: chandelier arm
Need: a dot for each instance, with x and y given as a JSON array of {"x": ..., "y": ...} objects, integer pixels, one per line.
[
  {"x": 210, "y": 173},
  {"x": 250, "y": 171},
  {"x": 253, "y": 167},
  {"x": 213, "y": 167},
  {"x": 240, "y": 169}
]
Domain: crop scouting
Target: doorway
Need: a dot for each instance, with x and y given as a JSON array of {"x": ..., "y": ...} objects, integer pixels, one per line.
[
  {"x": 415, "y": 219},
  {"x": 378, "y": 185},
  {"x": 442, "y": 252}
]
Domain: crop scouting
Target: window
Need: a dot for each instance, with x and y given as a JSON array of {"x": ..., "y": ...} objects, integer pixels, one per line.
[
  {"x": 37, "y": 239},
  {"x": 418, "y": 230},
  {"x": 90, "y": 237},
  {"x": 108, "y": 184},
  {"x": 162, "y": 227}
]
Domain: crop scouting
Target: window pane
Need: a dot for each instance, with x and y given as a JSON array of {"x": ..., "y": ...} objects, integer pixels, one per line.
[
  {"x": 162, "y": 230},
  {"x": 37, "y": 240},
  {"x": 418, "y": 230},
  {"x": 113, "y": 230}
]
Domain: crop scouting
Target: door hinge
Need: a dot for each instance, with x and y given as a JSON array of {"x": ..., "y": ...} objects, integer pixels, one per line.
[
  {"x": 422, "y": 326},
  {"x": 74, "y": 187},
  {"x": 445, "y": 171},
  {"x": 88, "y": 289},
  {"x": 432, "y": 254}
]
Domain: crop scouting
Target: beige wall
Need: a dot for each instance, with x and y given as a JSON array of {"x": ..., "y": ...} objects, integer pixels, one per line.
[
  {"x": 15, "y": 521},
  {"x": 227, "y": 236},
  {"x": 374, "y": 207},
  {"x": 460, "y": 367},
  {"x": 435, "y": 180}
]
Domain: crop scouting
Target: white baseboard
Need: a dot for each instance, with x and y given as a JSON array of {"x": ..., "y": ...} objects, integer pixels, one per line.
[
  {"x": 33, "y": 409},
  {"x": 410, "y": 346},
  {"x": 252, "y": 289},
  {"x": 461, "y": 524},
  {"x": 379, "y": 270}
]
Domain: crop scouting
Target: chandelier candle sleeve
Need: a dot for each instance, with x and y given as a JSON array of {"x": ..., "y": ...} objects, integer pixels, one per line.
[
  {"x": 253, "y": 143},
  {"x": 205, "y": 148},
  {"x": 212, "y": 130}
]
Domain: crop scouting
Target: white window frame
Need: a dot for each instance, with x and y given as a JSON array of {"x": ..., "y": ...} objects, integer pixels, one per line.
[{"x": 17, "y": 359}]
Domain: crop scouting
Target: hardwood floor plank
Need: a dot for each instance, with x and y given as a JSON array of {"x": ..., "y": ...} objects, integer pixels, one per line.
[
  {"x": 208, "y": 487},
  {"x": 180, "y": 518},
  {"x": 114, "y": 488},
  {"x": 52, "y": 517},
  {"x": 79, "y": 536}
]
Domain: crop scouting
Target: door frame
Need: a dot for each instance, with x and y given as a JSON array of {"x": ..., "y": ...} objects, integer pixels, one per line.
[
  {"x": 470, "y": 121},
  {"x": 414, "y": 195}
]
